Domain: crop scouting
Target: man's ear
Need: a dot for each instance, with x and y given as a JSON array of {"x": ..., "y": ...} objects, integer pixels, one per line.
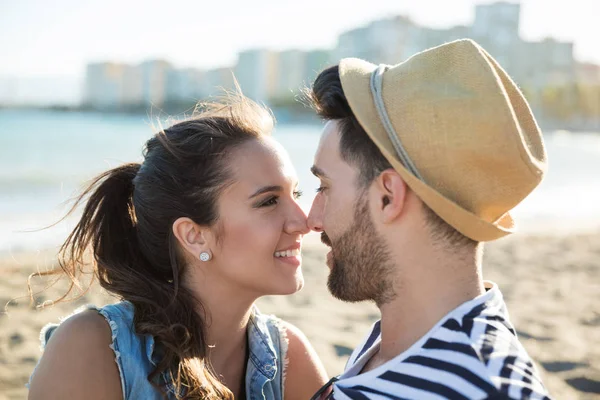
[
  {"x": 191, "y": 237},
  {"x": 391, "y": 194}
]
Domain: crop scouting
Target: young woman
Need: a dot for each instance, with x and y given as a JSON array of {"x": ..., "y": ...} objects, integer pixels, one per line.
[{"x": 188, "y": 240}]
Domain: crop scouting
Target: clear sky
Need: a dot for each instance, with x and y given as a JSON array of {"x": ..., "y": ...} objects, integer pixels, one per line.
[{"x": 58, "y": 37}]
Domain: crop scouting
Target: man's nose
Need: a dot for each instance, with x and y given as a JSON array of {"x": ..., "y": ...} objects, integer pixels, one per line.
[{"x": 315, "y": 215}]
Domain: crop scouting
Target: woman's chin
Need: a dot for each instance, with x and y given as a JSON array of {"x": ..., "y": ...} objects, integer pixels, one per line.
[{"x": 290, "y": 287}]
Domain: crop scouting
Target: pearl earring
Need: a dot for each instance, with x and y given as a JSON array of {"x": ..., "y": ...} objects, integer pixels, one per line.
[{"x": 205, "y": 256}]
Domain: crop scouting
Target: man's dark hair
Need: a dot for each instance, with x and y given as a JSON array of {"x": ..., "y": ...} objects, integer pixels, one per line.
[{"x": 356, "y": 148}]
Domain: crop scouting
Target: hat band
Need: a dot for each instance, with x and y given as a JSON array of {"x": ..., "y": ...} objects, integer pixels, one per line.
[{"x": 377, "y": 91}]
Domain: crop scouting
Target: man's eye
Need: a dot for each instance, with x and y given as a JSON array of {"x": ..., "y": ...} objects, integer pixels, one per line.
[{"x": 320, "y": 189}]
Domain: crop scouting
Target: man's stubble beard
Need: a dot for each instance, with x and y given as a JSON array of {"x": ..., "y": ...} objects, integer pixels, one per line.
[{"x": 361, "y": 267}]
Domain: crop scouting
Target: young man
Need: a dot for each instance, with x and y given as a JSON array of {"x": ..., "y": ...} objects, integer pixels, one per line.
[{"x": 419, "y": 164}]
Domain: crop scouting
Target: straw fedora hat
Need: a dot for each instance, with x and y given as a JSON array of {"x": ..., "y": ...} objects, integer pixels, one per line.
[{"x": 456, "y": 128}]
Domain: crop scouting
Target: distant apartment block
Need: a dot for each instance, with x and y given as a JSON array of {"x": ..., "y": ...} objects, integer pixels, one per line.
[
  {"x": 539, "y": 64},
  {"x": 256, "y": 72},
  {"x": 588, "y": 74},
  {"x": 497, "y": 24},
  {"x": 114, "y": 85},
  {"x": 133, "y": 86},
  {"x": 290, "y": 73},
  {"x": 185, "y": 85},
  {"x": 386, "y": 41},
  {"x": 154, "y": 81},
  {"x": 105, "y": 84},
  {"x": 297, "y": 69},
  {"x": 315, "y": 62},
  {"x": 218, "y": 80}
]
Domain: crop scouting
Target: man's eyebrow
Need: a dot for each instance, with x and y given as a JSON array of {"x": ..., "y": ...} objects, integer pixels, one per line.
[
  {"x": 318, "y": 172},
  {"x": 266, "y": 189}
]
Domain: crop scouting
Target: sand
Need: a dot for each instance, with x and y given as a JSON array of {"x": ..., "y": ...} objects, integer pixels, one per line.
[{"x": 551, "y": 284}]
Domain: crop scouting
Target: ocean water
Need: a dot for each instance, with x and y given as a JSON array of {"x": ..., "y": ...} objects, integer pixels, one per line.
[{"x": 46, "y": 157}]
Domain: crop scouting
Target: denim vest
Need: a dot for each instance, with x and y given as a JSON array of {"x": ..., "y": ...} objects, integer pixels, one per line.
[{"x": 135, "y": 358}]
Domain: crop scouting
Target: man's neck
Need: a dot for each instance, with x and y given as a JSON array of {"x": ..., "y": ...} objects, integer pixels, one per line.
[{"x": 423, "y": 298}]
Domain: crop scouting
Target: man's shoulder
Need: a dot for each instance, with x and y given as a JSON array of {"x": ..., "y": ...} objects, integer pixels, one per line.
[
  {"x": 477, "y": 356},
  {"x": 483, "y": 346}
]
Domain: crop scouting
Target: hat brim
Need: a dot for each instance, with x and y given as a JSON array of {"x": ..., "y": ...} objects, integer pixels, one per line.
[{"x": 355, "y": 75}]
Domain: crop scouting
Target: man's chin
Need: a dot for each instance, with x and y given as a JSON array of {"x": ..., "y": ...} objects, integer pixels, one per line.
[
  {"x": 346, "y": 295},
  {"x": 342, "y": 290}
]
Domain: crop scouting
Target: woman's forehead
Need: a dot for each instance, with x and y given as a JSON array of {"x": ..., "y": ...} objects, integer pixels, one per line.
[{"x": 261, "y": 162}]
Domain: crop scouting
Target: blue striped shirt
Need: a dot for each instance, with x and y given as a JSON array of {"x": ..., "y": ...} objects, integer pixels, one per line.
[{"x": 472, "y": 353}]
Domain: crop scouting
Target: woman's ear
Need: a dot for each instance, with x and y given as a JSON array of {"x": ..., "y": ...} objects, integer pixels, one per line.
[{"x": 191, "y": 236}]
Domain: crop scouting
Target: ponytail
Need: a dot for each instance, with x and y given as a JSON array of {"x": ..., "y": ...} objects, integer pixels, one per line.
[{"x": 107, "y": 226}]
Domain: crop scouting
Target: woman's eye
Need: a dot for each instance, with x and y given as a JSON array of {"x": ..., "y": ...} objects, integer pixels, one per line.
[
  {"x": 298, "y": 194},
  {"x": 270, "y": 202}
]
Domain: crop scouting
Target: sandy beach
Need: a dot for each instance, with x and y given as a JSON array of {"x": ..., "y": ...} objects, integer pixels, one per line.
[{"x": 551, "y": 284}]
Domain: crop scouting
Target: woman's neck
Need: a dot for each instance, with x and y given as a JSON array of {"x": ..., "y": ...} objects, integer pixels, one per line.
[{"x": 225, "y": 312}]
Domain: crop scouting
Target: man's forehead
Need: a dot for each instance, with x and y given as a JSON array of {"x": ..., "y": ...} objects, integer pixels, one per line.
[{"x": 329, "y": 142}]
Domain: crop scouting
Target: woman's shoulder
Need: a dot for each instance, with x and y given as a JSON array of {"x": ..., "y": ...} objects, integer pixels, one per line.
[
  {"x": 85, "y": 323},
  {"x": 267, "y": 321},
  {"x": 305, "y": 373},
  {"x": 69, "y": 347},
  {"x": 284, "y": 328},
  {"x": 105, "y": 335},
  {"x": 115, "y": 315}
]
